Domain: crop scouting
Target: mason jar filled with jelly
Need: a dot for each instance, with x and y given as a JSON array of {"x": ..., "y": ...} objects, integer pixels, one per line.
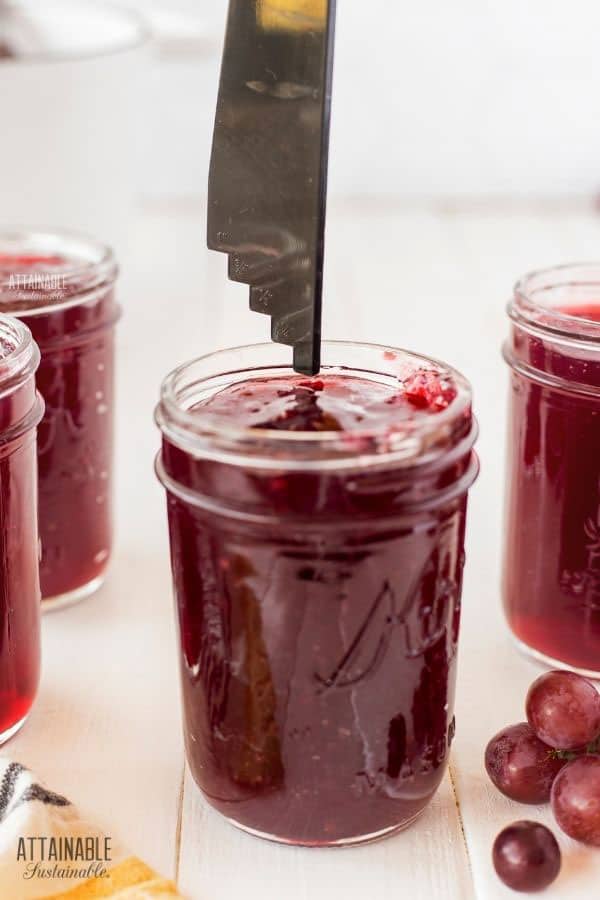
[
  {"x": 21, "y": 409},
  {"x": 551, "y": 577},
  {"x": 317, "y": 531},
  {"x": 62, "y": 286}
]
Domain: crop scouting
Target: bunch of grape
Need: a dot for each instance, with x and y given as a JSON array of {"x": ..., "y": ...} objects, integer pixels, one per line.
[{"x": 554, "y": 756}]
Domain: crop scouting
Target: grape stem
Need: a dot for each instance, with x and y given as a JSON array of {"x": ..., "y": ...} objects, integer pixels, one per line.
[{"x": 592, "y": 749}]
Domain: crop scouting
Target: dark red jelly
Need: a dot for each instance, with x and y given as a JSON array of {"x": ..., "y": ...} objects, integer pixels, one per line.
[
  {"x": 20, "y": 411},
  {"x": 551, "y": 578},
  {"x": 66, "y": 297},
  {"x": 317, "y": 533}
]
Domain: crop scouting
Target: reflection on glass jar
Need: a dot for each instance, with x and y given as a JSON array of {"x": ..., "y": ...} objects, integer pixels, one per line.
[
  {"x": 62, "y": 287},
  {"x": 317, "y": 530},
  {"x": 20, "y": 411},
  {"x": 551, "y": 581}
]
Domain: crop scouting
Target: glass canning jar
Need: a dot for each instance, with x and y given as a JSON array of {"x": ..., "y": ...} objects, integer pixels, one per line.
[
  {"x": 317, "y": 577},
  {"x": 551, "y": 578},
  {"x": 21, "y": 409},
  {"x": 62, "y": 286}
]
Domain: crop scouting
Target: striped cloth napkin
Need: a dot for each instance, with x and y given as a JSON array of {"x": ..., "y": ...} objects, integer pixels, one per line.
[{"x": 47, "y": 850}]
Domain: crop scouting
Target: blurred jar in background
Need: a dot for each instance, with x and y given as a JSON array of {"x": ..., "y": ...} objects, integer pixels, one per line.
[
  {"x": 62, "y": 287},
  {"x": 69, "y": 75},
  {"x": 20, "y": 411},
  {"x": 551, "y": 579}
]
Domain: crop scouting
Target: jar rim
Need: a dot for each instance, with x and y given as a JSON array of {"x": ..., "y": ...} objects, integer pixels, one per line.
[
  {"x": 533, "y": 295},
  {"x": 214, "y": 436},
  {"x": 90, "y": 266},
  {"x": 23, "y": 357}
]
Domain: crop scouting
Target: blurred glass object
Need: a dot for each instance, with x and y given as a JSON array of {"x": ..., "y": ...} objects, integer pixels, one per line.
[{"x": 70, "y": 71}]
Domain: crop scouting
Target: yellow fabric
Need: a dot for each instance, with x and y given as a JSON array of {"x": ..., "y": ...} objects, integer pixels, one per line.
[
  {"x": 130, "y": 880},
  {"x": 292, "y": 15}
]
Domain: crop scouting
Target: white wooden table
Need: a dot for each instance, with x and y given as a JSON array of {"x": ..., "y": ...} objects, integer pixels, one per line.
[{"x": 106, "y": 729}]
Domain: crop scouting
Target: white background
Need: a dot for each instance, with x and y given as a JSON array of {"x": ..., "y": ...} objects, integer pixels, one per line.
[{"x": 473, "y": 97}]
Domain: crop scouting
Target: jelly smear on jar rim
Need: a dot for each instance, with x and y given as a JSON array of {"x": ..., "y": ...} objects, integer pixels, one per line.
[{"x": 331, "y": 402}]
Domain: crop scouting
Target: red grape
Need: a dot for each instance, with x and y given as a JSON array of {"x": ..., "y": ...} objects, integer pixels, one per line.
[
  {"x": 576, "y": 799},
  {"x": 526, "y": 856},
  {"x": 520, "y": 765},
  {"x": 564, "y": 710}
]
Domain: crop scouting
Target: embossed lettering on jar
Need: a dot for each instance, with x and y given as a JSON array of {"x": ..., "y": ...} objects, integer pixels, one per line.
[
  {"x": 317, "y": 530},
  {"x": 62, "y": 287},
  {"x": 551, "y": 581}
]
